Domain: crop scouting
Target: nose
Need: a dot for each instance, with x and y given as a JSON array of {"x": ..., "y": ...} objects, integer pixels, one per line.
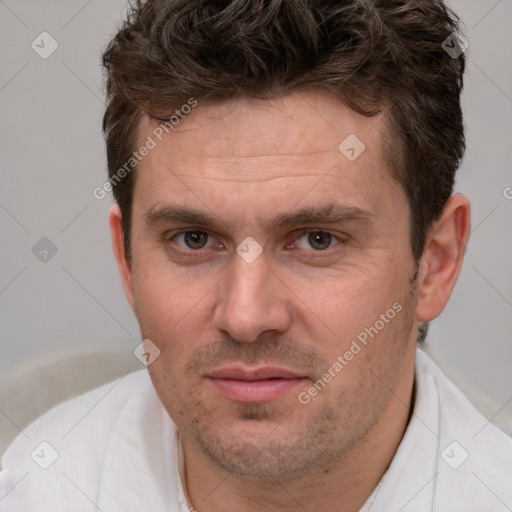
[{"x": 252, "y": 300}]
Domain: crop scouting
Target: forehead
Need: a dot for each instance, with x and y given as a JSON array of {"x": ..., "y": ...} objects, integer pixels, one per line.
[
  {"x": 278, "y": 144},
  {"x": 287, "y": 125}
]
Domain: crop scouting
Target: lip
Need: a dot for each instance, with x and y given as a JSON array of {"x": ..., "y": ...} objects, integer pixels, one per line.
[{"x": 254, "y": 385}]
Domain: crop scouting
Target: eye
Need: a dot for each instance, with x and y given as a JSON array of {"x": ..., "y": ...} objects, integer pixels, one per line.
[
  {"x": 192, "y": 239},
  {"x": 318, "y": 240}
]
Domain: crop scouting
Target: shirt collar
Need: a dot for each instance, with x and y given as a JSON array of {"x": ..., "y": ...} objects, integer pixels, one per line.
[
  {"x": 409, "y": 482},
  {"x": 183, "y": 497}
]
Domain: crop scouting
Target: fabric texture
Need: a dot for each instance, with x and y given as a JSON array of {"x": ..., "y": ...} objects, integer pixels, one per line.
[{"x": 116, "y": 449}]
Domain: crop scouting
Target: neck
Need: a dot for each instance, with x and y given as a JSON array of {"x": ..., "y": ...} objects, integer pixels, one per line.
[{"x": 344, "y": 484}]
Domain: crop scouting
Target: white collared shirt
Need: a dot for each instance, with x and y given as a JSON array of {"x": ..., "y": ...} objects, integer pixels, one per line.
[{"x": 115, "y": 449}]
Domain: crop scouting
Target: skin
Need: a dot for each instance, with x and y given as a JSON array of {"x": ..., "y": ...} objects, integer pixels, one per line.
[{"x": 297, "y": 306}]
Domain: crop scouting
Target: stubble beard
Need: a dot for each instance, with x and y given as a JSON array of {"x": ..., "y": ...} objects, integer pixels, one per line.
[{"x": 294, "y": 445}]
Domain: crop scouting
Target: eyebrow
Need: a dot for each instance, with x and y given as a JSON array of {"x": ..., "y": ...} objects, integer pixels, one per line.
[{"x": 330, "y": 214}]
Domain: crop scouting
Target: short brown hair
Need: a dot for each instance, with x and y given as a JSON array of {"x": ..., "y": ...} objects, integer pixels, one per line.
[{"x": 375, "y": 55}]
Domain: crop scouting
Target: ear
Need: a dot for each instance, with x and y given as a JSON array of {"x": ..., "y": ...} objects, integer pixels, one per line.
[
  {"x": 116, "y": 230},
  {"x": 442, "y": 258}
]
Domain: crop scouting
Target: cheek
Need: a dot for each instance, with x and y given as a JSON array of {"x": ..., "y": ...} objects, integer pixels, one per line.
[
  {"x": 366, "y": 374},
  {"x": 164, "y": 295},
  {"x": 359, "y": 326},
  {"x": 343, "y": 307},
  {"x": 174, "y": 314}
]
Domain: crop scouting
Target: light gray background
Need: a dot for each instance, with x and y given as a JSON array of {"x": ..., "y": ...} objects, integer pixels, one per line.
[{"x": 52, "y": 157}]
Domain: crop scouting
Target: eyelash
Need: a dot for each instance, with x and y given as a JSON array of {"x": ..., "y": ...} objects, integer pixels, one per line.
[{"x": 197, "y": 253}]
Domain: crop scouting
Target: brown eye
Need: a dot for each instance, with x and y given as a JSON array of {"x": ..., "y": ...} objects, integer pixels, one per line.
[
  {"x": 195, "y": 239},
  {"x": 191, "y": 239},
  {"x": 319, "y": 240}
]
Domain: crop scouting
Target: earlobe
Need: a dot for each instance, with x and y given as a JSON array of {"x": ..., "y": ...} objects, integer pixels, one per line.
[
  {"x": 442, "y": 258},
  {"x": 117, "y": 232}
]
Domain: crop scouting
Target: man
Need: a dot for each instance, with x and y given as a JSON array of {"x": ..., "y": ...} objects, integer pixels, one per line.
[{"x": 284, "y": 222}]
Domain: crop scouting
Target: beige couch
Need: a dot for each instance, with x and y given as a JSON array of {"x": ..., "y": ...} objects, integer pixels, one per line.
[{"x": 35, "y": 387}]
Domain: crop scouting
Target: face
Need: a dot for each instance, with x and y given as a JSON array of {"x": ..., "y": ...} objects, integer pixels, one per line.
[{"x": 278, "y": 352}]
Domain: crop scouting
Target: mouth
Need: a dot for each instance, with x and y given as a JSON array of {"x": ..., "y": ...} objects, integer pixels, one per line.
[{"x": 254, "y": 385}]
